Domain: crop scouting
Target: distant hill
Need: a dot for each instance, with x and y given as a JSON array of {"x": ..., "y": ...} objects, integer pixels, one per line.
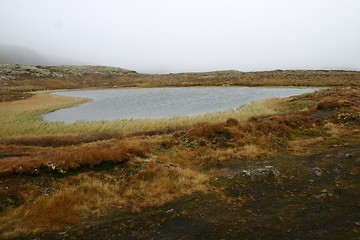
[
  {"x": 11, "y": 54},
  {"x": 21, "y": 55}
]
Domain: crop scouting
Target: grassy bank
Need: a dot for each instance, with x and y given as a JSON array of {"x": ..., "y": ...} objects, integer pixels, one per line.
[{"x": 23, "y": 117}]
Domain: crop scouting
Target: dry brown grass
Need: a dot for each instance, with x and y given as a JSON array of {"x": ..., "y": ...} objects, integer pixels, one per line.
[
  {"x": 8, "y": 150},
  {"x": 253, "y": 151},
  {"x": 65, "y": 158},
  {"x": 60, "y": 209},
  {"x": 333, "y": 130},
  {"x": 210, "y": 158},
  {"x": 301, "y": 145},
  {"x": 38, "y": 102},
  {"x": 156, "y": 185},
  {"x": 334, "y": 103},
  {"x": 87, "y": 195},
  {"x": 59, "y": 140},
  {"x": 208, "y": 130}
]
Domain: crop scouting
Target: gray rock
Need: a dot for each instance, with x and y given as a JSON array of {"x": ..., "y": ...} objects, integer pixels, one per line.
[
  {"x": 318, "y": 172},
  {"x": 170, "y": 211},
  {"x": 260, "y": 172}
]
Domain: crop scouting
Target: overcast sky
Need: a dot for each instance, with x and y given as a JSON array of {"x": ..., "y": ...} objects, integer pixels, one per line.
[{"x": 162, "y": 36}]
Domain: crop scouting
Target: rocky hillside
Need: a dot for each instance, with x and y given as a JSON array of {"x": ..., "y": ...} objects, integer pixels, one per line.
[
  {"x": 15, "y": 71},
  {"x": 24, "y": 78}
]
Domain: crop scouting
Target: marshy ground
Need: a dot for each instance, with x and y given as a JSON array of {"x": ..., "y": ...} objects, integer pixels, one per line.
[{"x": 291, "y": 172}]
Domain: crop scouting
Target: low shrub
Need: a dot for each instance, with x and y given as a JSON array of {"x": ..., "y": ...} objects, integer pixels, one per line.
[
  {"x": 210, "y": 131},
  {"x": 329, "y": 104},
  {"x": 232, "y": 122}
]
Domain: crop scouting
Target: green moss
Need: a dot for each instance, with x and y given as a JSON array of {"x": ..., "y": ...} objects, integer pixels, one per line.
[
  {"x": 294, "y": 106},
  {"x": 306, "y": 133}
]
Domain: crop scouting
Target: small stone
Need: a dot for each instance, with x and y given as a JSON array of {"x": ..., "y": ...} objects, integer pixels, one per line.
[
  {"x": 265, "y": 171},
  {"x": 318, "y": 171},
  {"x": 348, "y": 155},
  {"x": 170, "y": 211}
]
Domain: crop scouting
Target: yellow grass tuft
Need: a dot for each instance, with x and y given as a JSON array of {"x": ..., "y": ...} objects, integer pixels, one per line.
[
  {"x": 332, "y": 129},
  {"x": 157, "y": 185},
  {"x": 61, "y": 209},
  {"x": 301, "y": 145},
  {"x": 253, "y": 151}
]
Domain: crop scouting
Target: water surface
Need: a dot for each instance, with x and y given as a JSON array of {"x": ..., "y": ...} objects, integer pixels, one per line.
[{"x": 162, "y": 102}]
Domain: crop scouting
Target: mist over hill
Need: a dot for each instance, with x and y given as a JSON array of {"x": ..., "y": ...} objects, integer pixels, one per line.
[{"x": 11, "y": 54}]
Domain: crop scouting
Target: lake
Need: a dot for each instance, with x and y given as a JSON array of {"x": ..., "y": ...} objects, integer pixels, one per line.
[{"x": 162, "y": 102}]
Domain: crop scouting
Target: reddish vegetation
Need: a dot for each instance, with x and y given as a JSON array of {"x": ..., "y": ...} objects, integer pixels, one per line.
[
  {"x": 60, "y": 140},
  {"x": 267, "y": 130},
  {"x": 7, "y": 96},
  {"x": 232, "y": 122},
  {"x": 208, "y": 130},
  {"x": 334, "y": 103},
  {"x": 63, "y": 159},
  {"x": 280, "y": 125}
]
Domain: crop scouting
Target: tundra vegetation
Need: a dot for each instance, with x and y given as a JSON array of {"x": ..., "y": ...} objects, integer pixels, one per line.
[{"x": 279, "y": 168}]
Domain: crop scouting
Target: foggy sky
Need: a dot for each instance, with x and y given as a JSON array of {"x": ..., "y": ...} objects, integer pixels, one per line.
[{"x": 162, "y": 36}]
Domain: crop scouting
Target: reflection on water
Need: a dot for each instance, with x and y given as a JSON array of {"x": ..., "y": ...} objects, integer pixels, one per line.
[{"x": 162, "y": 102}]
